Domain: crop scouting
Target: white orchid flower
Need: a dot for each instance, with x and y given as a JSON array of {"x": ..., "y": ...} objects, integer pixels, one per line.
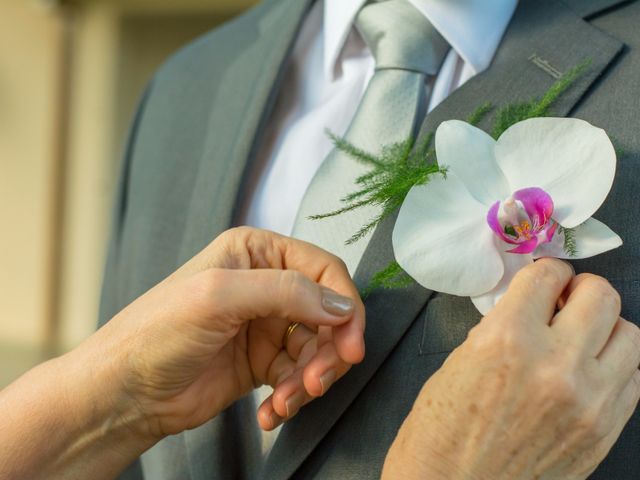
[{"x": 504, "y": 204}]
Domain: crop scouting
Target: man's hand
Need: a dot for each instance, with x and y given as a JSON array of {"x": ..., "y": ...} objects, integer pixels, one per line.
[{"x": 533, "y": 392}]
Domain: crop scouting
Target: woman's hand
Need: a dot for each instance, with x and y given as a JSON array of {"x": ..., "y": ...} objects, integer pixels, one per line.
[
  {"x": 214, "y": 330},
  {"x": 182, "y": 352}
]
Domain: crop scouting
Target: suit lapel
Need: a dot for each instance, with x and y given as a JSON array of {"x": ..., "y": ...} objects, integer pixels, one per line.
[
  {"x": 589, "y": 8},
  {"x": 544, "y": 38},
  {"x": 244, "y": 101}
]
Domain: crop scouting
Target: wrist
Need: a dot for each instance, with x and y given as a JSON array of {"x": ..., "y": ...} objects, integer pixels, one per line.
[
  {"x": 108, "y": 404},
  {"x": 104, "y": 421},
  {"x": 424, "y": 448},
  {"x": 66, "y": 418}
]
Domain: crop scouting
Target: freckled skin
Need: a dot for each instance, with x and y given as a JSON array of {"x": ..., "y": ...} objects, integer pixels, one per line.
[{"x": 532, "y": 392}]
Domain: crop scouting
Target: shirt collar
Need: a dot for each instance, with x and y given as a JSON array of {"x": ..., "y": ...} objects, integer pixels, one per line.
[{"x": 473, "y": 28}]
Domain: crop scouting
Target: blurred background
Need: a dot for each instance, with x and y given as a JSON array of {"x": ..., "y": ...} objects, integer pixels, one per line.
[{"x": 71, "y": 72}]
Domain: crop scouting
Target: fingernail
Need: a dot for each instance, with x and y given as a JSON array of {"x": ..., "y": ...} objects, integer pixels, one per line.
[
  {"x": 294, "y": 403},
  {"x": 336, "y": 304},
  {"x": 275, "y": 420},
  {"x": 327, "y": 380}
]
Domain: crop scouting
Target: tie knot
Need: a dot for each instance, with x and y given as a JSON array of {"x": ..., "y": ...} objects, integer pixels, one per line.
[{"x": 400, "y": 37}]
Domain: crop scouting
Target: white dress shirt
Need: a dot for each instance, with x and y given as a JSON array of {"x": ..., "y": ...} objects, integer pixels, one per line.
[{"x": 325, "y": 80}]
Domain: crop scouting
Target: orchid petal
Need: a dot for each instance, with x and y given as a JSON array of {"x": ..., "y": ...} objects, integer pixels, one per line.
[
  {"x": 441, "y": 239},
  {"x": 592, "y": 238},
  {"x": 467, "y": 152},
  {"x": 550, "y": 231},
  {"x": 537, "y": 203},
  {"x": 573, "y": 161},
  {"x": 525, "y": 247},
  {"x": 512, "y": 264},
  {"x": 496, "y": 226}
]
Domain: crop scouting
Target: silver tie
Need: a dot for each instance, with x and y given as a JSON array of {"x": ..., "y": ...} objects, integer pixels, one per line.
[{"x": 407, "y": 50}]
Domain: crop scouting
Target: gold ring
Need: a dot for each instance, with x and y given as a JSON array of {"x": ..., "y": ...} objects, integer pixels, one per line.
[{"x": 290, "y": 329}]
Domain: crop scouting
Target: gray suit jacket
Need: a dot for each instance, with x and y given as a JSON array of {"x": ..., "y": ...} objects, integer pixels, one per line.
[{"x": 198, "y": 129}]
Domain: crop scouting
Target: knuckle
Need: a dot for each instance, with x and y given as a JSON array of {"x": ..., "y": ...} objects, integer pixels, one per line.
[
  {"x": 511, "y": 340},
  {"x": 341, "y": 263},
  {"x": 230, "y": 237},
  {"x": 241, "y": 230},
  {"x": 636, "y": 384},
  {"x": 292, "y": 286},
  {"x": 206, "y": 288},
  {"x": 483, "y": 333},
  {"x": 604, "y": 291},
  {"x": 593, "y": 424},
  {"x": 480, "y": 344},
  {"x": 633, "y": 333},
  {"x": 501, "y": 341},
  {"x": 214, "y": 280},
  {"x": 557, "y": 385},
  {"x": 476, "y": 333},
  {"x": 228, "y": 234},
  {"x": 582, "y": 277},
  {"x": 527, "y": 274},
  {"x": 544, "y": 273},
  {"x": 332, "y": 260}
]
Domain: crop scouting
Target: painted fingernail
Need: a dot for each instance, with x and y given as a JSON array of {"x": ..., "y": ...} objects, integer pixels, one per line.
[
  {"x": 327, "y": 380},
  {"x": 336, "y": 304},
  {"x": 294, "y": 403},
  {"x": 275, "y": 420}
]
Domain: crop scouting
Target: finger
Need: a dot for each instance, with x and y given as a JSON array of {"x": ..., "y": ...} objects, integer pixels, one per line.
[
  {"x": 629, "y": 400},
  {"x": 330, "y": 271},
  {"x": 250, "y": 248},
  {"x": 238, "y": 296},
  {"x": 280, "y": 368},
  {"x": 268, "y": 419},
  {"x": 621, "y": 354},
  {"x": 323, "y": 370},
  {"x": 534, "y": 291},
  {"x": 591, "y": 311},
  {"x": 349, "y": 337},
  {"x": 292, "y": 392},
  {"x": 285, "y": 376},
  {"x": 269, "y": 338},
  {"x": 320, "y": 363},
  {"x": 626, "y": 406},
  {"x": 300, "y": 337},
  {"x": 289, "y": 396},
  {"x": 283, "y": 366},
  {"x": 309, "y": 382}
]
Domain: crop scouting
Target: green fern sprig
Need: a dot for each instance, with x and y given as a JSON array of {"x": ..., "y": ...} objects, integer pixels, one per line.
[
  {"x": 393, "y": 276},
  {"x": 397, "y": 169},
  {"x": 517, "y": 112},
  {"x": 570, "y": 246},
  {"x": 480, "y": 113}
]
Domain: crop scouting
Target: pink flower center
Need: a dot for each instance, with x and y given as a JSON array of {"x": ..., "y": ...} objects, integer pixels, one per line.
[{"x": 523, "y": 219}]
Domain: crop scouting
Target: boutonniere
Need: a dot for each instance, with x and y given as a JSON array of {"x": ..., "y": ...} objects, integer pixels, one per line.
[
  {"x": 475, "y": 208},
  {"x": 529, "y": 194}
]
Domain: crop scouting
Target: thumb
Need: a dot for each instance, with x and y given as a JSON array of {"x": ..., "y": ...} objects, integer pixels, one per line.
[{"x": 243, "y": 295}]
